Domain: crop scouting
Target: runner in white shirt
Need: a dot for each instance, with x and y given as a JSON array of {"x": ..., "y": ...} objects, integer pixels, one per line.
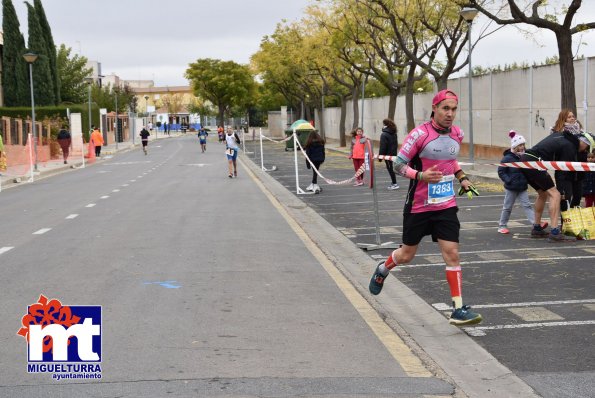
[{"x": 232, "y": 140}]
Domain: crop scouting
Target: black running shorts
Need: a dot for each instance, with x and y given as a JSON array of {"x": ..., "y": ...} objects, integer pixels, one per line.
[
  {"x": 538, "y": 179},
  {"x": 441, "y": 224}
]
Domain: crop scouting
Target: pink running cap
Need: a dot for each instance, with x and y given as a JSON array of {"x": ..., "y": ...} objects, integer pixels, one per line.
[{"x": 443, "y": 95}]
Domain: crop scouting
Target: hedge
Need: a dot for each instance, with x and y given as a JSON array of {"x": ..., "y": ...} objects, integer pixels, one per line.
[{"x": 56, "y": 112}]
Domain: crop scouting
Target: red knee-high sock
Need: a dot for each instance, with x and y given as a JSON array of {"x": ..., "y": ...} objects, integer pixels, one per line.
[
  {"x": 454, "y": 277},
  {"x": 390, "y": 262}
]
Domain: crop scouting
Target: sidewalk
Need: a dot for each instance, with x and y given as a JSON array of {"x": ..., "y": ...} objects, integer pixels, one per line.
[{"x": 13, "y": 177}]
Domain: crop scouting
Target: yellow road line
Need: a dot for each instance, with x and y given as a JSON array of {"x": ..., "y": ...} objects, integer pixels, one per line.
[{"x": 410, "y": 363}]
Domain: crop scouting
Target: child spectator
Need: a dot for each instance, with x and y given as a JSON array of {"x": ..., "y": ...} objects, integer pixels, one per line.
[
  {"x": 358, "y": 145},
  {"x": 589, "y": 183},
  {"x": 515, "y": 183},
  {"x": 315, "y": 151}
]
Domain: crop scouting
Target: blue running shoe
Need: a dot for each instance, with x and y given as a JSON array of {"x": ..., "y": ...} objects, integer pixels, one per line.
[
  {"x": 464, "y": 316},
  {"x": 377, "y": 281}
]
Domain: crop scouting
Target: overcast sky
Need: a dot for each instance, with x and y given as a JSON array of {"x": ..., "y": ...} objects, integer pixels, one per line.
[{"x": 157, "y": 39}]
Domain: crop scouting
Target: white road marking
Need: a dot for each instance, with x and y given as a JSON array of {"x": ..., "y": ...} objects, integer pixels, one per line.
[
  {"x": 393, "y": 210},
  {"x": 511, "y": 260},
  {"x": 535, "y": 314},
  {"x": 90, "y": 205},
  {"x": 479, "y": 331},
  {"x": 520, "y": 249},
  {"x": 125, "y": 185},
  {"x": 116, "y": 190},
  {"x": 71, "y": 216},
  {"x": 132, "y": 180},
  {"x": 5, "y": 249},
  {"x": 42, "y": 231},
  {"x": 446, "y": 307},
  {"x": 105, "y": 197}
]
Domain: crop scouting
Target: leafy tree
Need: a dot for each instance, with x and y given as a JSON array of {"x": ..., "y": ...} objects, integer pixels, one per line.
[
  {"x": 15, "y": 78},
  {"x": 511, "y": 12},
  {"x": 50, "y": 46},
  {"x": 202, "y": 108},
  {"x": 224, "y": 83},
  {"x": 72, "y": 72},
  {"x": 173, "y": 103},
  {"x": 42, "y": 78}
]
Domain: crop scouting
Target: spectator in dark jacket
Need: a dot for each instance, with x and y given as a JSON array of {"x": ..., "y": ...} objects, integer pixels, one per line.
[
  {"x": 564, "y": 146},
  {"x": 589, "y": 183},
  {"x": 515, "y": 183},
  {"x": 389, "y": 145},
  {"x": 64, "y": 139},
  {"x": 315, "y": 151},
  {"x": 569, "y": 183}
]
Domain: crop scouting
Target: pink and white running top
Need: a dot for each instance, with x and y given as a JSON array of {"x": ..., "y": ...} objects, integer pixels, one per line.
[{"x": 423, "y": 148}]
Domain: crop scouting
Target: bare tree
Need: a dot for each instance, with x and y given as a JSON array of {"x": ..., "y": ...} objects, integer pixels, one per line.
[{"x": 564, "y": 31}]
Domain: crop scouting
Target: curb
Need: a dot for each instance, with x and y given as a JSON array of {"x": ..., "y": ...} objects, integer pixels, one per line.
[{"x": 474, "y": 371}]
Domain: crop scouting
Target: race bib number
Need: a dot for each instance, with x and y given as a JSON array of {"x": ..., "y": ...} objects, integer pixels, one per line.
[{"x": 442, "y": 191}]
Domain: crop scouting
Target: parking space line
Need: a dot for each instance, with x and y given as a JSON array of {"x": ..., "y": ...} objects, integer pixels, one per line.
[
  {"x": 536, "y": 314},
  {"x": 511, "y": 260},
  {"x": 446, "y": 307},
  {"x": 5, "y": 249},
  {"x": 478, "y": 331}
]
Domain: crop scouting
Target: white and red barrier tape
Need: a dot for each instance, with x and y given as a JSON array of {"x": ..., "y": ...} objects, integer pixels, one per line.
[
  {"x": 277, "y": 141},
  {"x": 359, "y": 171},
  {"x": 550, "y": 165}
]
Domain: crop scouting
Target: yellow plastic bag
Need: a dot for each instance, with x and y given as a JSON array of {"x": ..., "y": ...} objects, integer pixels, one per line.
[
  {"x": 588, "y": 218},
  {"x": 3, "y": 162},
  {"x": 572, "y": 222}
]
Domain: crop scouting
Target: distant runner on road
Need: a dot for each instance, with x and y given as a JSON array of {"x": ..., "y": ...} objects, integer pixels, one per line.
[
  {"x": 202, "y": 137},
  {"x": 429, "y": 158},
  {"x": 144, "y": 134}
]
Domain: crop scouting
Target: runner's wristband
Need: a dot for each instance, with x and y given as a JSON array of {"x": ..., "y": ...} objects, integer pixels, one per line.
[
  {"x": 420, "y": 176},
  {"x": 463, "y": 178}
]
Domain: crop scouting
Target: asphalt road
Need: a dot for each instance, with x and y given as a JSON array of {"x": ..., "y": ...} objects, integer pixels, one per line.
[
  {"x": 537, "y": 298},
  {"x": 205, "y": 288}
]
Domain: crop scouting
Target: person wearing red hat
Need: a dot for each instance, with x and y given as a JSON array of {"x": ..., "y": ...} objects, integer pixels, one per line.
[{"x": 428, "y": 158}]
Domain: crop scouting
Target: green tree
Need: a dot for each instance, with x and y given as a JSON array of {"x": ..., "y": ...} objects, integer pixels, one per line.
[
  {"x": 42, "y": 77},
  {"x": 51, "y": 48},
  {"x": 15, "y": 80},
  {"x": 72, "y": 72},
  {"x": 513, "y": 12},
  {"x": 224, "y": 83}
]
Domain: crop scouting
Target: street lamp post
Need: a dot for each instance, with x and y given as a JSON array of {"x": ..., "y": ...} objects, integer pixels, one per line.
[
  {"x": 147, "y": 107},
  {"x": 116, "y": 129},
  {"x": 363, "y": 97},
  {"x": 89, "y": 81},
  {"x": 322, "y": 111},
  {"x": 30, "y": 58},
  {"x": 468, "y": 14}
]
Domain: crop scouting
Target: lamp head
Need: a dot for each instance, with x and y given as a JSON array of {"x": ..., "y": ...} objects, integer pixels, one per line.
[
  {"x": 147, "y": 97},
  {"x": 30, "y": 57},
  {"x": 468, "y": 13}
]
